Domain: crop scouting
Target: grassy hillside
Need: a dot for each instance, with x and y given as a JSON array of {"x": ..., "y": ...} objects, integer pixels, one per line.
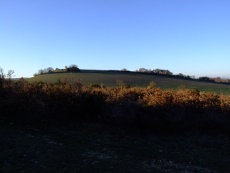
[{"x": 109, "y": 79}]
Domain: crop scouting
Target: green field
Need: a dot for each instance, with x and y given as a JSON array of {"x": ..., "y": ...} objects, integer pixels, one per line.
[{"x": 110, "y": 79}]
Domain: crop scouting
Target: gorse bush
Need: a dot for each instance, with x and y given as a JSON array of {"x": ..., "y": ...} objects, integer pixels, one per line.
[{"x": 146, "y": 108}]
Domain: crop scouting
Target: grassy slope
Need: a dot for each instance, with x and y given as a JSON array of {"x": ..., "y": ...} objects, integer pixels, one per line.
[{"x": 133, "y": 79}]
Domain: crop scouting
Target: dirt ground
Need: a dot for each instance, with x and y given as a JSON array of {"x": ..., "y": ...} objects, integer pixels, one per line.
[{"x": 92, "y": 148}]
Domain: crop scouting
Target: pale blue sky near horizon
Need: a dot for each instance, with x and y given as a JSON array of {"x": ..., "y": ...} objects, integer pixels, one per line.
[{"x": 184, "y": 36}]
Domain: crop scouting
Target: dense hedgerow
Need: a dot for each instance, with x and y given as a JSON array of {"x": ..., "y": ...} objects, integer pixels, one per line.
[{"x": 147, "y": 108}]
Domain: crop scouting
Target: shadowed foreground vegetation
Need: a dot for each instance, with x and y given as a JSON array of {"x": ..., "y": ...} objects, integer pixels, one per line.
[
  {"x": 68, "y": 127},
  {"x": 148, "y": 109}
]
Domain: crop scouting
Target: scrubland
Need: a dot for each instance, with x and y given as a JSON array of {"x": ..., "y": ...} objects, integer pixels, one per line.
[{"x": 148, "y": 109}]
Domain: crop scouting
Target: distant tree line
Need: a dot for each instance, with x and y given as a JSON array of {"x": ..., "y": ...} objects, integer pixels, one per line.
[
  {"x": 217, "y": 79},
  {"x": 49, "y": 70},
  {"x": 163, "y": 72},
  {"x": 156, "y": 71},
  {"x": 182, "y": 76}
]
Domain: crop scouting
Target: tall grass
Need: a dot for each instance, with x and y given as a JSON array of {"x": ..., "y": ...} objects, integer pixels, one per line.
[{"x": 144, "y": 108}]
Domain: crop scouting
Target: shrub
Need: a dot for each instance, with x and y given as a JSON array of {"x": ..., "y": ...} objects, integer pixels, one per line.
[{"x": 147, "y": 108}]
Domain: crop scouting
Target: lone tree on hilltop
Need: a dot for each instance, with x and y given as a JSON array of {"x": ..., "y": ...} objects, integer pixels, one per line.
[
  {"x": 49, "y": 69},
  {"x": 73, "y": 68}
]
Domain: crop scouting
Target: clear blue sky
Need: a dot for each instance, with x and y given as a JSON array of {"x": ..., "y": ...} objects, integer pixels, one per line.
[{"x": 184, "y": 36}]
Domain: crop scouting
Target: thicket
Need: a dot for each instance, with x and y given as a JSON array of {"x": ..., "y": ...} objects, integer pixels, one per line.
[
  {"x": 150, "y": 109},
  {"x": 50, "y": 70},
  {"x": 182, "y": 76}
]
